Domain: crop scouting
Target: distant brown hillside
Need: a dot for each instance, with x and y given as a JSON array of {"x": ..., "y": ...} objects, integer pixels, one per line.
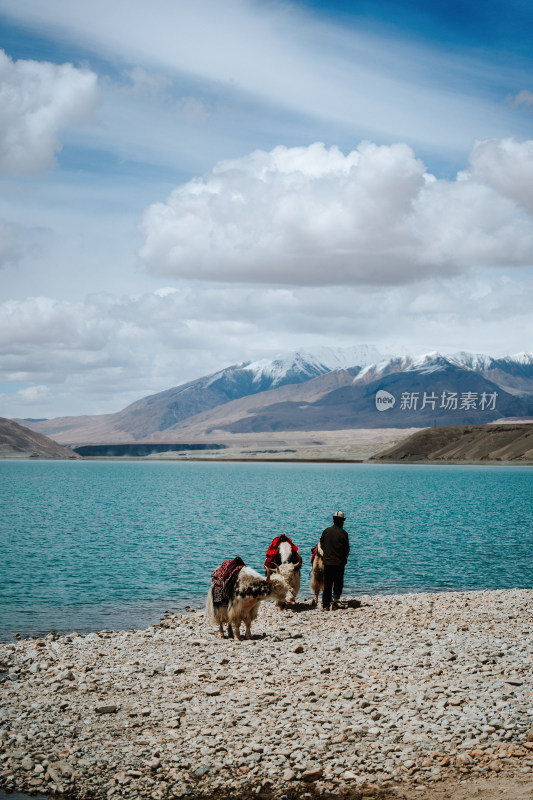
[
  {"x": 16, "y": 441},
  {"x": 503, "y": 443}
]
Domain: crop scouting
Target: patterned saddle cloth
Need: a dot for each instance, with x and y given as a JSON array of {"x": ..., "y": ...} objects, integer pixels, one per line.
[{"x": 224, "y": 577}]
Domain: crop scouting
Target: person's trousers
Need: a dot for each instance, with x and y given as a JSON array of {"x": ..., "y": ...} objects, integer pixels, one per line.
[{"x": 333, "y": 582}]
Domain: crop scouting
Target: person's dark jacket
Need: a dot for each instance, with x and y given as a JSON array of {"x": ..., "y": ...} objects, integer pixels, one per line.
[{"x": 335, "y": 546}]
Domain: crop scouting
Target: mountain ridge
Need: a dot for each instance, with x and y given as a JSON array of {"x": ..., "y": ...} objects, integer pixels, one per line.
[{"x": 302, "y": 391}]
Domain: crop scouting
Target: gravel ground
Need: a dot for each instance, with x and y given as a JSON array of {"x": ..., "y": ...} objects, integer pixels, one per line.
[{"x": 390, "y": 693}]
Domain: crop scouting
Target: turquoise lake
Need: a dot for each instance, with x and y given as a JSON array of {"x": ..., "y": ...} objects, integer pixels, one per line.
[{"x": 95, "y": 545}]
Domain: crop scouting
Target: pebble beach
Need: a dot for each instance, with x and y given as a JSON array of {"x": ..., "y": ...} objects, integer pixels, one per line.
[{"x": 389, "y": 692}]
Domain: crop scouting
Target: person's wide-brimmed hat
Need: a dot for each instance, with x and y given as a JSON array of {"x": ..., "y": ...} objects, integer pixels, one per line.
[{"x": 339, "y": 514}]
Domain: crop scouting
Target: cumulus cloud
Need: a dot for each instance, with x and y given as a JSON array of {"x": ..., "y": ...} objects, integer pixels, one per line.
[
  {"x": 314, "y": 216},
  {"x": 43, "y": 322},
  {"x": 507, "y": 167},
  {"x": 30, "y": 395},
  {"x": 37, "y": 99}
]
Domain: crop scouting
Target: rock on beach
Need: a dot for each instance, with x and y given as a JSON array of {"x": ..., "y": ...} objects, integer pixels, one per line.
[{"x": 391, "y": 691}]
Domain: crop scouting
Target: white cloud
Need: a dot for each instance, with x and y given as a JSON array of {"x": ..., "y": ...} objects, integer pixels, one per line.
[
  {"x": 43, "y": 322},
  {"x": 287, "y": 58},
  {"x": 98, "y": 355},
  {"x": 37, "y": 99},
  {"x": 32, "y": 394},
  {"x": 523, "y": 98},
  {"x": 313, "y": 216},
  {"x": 507, "y": 167}
]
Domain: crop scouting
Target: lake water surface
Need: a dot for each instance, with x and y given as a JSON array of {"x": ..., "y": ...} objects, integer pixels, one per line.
[{"x": 92, "y": 545}]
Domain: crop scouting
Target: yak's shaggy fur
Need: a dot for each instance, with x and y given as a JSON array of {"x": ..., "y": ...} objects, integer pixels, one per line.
[
  {"x": 291, "y": 574},
  {"x": 289, "y": 571},
  {"x": 242, "y": 606},
  {"x": 317, "y": 574}
]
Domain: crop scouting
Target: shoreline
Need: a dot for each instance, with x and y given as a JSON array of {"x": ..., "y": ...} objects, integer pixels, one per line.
[
  {"x": 304, "y": 460},
  {"x": 503, "y": 441},
  {"x": 138, "y": 617},
  {"x": 387, "y": 695}
]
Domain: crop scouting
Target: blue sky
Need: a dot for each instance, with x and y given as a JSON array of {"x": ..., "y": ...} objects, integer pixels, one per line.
[{"x": 184, "y": 186}]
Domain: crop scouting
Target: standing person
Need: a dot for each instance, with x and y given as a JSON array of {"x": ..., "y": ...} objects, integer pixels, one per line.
[{"x": 335, "y": 546}]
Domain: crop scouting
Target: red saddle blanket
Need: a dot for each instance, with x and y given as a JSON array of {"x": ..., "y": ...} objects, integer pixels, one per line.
[
  {"x": 224, "y": 577},
  {"x": 273, "y": 550}
]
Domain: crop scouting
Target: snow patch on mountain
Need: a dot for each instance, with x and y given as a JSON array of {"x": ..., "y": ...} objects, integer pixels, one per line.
[
  {"x": 427, "y": 363},
  {"x": 520, "y": 358},
  {"x": 475, "y": 361},
  {"x": 318, "y": 362},
  {"x": 302, "y": 365}
]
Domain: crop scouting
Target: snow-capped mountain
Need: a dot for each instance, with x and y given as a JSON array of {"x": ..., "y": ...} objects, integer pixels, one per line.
[
  {"x": 241, "y": 380},
  {"x": 328, "y": 389},
  {"x": 411, "y": 391},
  {"x": 514, "y": 373},
  {"x": 303, "y": 364},
  {"x": 159, "y": 412}
]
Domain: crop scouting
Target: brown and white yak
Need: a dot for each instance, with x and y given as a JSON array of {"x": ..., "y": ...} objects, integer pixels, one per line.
[
  {"x": 283, "y": 556},
  {"x": 317, "y": 572},
  {"x": 244, "y": 598}
]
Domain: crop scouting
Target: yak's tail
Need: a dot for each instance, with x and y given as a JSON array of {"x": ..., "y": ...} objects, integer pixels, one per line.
[{"x": 209, "y": 607}]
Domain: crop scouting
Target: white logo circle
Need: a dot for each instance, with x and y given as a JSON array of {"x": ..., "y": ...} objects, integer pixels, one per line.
[{"x": 384, "y": 400}]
